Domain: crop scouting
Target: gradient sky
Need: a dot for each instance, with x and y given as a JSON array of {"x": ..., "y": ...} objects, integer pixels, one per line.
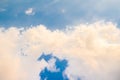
[{"x": 57, "y": 13}]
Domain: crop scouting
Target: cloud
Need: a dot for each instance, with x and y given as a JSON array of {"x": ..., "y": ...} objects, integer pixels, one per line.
[
  {"x": 9, "y": 61},
  {"x": 29, "y": 11},
  {"x": 92, "y": 51},
  {"x": 51, "y": 67}
]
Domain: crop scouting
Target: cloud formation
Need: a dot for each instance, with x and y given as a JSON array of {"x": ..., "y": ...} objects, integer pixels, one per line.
[
  {"x": 29, "y": 11},
  {"x": 92, "y": 51}
]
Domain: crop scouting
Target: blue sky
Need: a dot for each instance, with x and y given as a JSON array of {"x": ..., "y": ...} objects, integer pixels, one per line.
[
  {"x": 58, "y": 73},
  {"x": 57, "y": 14}
]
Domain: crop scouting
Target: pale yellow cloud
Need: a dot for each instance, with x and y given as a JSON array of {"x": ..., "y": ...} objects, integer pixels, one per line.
[{"x": 93, "y": 51}]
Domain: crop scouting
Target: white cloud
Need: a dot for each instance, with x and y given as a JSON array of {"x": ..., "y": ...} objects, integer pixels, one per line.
[
  {"x": 93, "y": 51},
  {"x": 51, "y": 66},
  {"x": 29, "y": 11}
]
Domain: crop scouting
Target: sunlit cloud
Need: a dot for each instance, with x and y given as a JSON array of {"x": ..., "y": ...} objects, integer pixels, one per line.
[{"x": 92, "y": 51}]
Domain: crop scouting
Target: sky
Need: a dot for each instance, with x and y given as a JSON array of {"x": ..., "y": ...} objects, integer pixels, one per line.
[
  {"x": 81, "y": 37},
  {"x": 56, "y": 14}
]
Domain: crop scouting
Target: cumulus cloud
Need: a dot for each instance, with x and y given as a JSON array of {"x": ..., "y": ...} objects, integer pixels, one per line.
[
  {"x": 29, "y": 11},
  {"x": 92, "y": 51}
]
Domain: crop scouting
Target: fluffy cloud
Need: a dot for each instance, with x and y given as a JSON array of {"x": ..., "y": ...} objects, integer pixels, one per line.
[
  {"x": 92, "y": 51},
  {"x": 29, "y": 11}
]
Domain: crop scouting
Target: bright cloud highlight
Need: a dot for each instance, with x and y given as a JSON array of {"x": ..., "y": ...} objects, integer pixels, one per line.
[{"x": 29, "y": 11}]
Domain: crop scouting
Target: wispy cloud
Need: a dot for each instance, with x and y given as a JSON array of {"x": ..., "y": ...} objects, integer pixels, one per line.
[{"x": 2, "y": 9}]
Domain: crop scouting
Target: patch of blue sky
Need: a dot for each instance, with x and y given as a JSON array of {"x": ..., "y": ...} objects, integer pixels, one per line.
[{"x": 46, "y": 74}]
